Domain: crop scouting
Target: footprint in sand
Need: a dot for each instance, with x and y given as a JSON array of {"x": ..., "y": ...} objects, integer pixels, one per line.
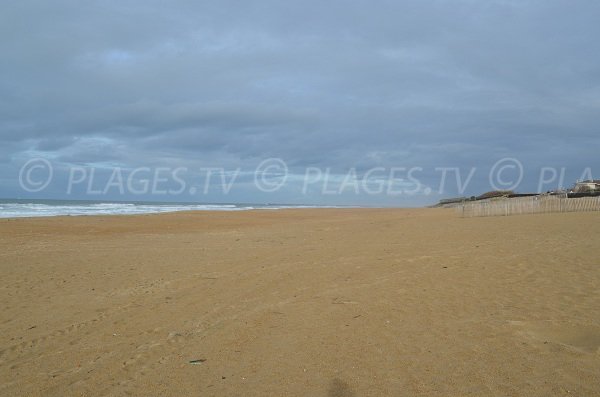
[{"x": 582, "y": 337}]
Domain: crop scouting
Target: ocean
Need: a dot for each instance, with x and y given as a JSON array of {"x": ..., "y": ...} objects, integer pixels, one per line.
[{"x": 17, "y": 208}]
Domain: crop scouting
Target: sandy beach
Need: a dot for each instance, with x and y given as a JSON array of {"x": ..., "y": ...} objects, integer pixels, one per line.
[{"x": 308, "y": 302}]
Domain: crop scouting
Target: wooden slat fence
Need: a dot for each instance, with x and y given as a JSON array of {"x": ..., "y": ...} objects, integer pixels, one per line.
[{"x": 528, "y": 205}]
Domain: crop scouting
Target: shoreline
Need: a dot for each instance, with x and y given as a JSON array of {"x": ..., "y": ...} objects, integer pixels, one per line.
[
  {"x": 183, "y": 212},
  {"x": 83, "y": 208}
]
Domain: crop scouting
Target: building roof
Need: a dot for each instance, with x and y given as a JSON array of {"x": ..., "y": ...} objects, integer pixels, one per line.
[{"x": 596, "y": 181}]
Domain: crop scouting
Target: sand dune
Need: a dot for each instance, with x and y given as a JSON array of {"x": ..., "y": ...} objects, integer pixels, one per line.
[{"x": 346, "y": 302}]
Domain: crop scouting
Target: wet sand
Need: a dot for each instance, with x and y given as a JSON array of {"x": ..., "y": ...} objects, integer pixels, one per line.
[{"x": 312, "y": 302}]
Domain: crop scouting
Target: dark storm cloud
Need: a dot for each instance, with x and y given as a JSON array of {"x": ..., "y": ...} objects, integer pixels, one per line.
[{"x": 332, "y": 84}]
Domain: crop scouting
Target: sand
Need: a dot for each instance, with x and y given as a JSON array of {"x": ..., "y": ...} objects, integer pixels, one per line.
[{"x": 346, "y": 302}]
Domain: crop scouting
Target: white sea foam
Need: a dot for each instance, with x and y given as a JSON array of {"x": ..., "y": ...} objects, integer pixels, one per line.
[{"x": 30, "y": 209}]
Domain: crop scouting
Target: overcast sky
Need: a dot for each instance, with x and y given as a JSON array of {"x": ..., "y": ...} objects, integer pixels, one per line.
[{"x": 328, "y": 84}]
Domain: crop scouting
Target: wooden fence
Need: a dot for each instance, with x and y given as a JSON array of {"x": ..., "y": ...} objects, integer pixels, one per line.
[{"x": 528, "y": 205}]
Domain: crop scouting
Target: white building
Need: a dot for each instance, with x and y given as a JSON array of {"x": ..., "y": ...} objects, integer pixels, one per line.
[{"x": 587, "y": 186}]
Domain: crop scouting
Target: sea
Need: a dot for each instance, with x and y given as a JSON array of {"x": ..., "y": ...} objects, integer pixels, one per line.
[{"x": 18, "y": 208}]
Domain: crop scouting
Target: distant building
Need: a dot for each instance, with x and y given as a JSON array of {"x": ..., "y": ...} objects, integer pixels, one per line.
[{"x": 590, "y": 186}]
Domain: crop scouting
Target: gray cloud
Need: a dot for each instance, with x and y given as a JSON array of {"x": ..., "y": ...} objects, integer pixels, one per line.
[{"x": 328, "y": 84}]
